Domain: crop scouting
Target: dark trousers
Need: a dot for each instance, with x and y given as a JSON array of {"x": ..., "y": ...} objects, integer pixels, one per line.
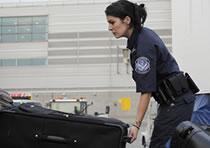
[{"x": 168, "y": 117}]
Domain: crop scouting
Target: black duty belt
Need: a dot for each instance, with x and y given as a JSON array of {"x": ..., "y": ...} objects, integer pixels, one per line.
[{"x": 173, "y": 87}]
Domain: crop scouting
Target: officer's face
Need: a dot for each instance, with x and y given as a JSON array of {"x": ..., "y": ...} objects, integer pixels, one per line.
[{"x": 118, "y": 27}]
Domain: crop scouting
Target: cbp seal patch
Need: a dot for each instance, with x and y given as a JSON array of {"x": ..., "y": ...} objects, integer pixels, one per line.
[{"x": 142, "y": 65}]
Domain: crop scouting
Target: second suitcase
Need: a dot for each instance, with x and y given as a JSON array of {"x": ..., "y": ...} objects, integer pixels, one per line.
[{"x": 31, "y": 126}]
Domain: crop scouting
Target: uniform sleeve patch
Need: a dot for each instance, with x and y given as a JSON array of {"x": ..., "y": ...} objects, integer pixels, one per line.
[{"x": 142, "y": 65}]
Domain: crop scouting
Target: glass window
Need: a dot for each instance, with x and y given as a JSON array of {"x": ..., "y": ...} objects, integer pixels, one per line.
[
  {"x": 39, "y": 29},
  {"x": 39, "y": 37},
  {"x": 24, "y": 20},
  {"x": 21, "y": 62},
  {"x": 41, "y": 61},
  {"x": 8, "y": 62},
  {"x": 0, "y": 33},
  {"x": 6, "y": 21},
  {"x": 0, "y": 25},
  {"x": 40, "y": 20},
  {"x": 24, "y": 29},
  {"x": 8, "y": 37},
  {"x": 24, "y": 37},
  {"x": 25, "y": 62},
  {"x": 9, "y": 29}
]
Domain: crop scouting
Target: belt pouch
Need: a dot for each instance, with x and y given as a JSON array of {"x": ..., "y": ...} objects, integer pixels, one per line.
[
  {"x": 178, "y": 84},
  {"x": 191, "y": 83},
  {"x": 161, "y": 96}
]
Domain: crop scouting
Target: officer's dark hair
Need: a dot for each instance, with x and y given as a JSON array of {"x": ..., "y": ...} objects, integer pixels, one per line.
[{"x": 123, "y": 8}]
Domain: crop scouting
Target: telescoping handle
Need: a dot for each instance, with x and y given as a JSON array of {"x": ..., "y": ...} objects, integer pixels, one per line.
[
  {"x": 55, "y": 139},
  {"x": 127, "y": 139}
]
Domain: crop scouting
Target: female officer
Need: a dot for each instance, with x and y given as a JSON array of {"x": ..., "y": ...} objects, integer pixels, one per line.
[{"x": 152, "y": 65}]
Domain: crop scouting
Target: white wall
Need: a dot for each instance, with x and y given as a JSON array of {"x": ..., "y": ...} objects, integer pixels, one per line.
[
  {"x": 191, "y": 39},
  {"x": 68, "y": 18}
]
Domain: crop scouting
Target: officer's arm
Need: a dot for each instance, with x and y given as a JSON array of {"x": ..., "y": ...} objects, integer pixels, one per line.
[{"x": 142, "y": 107}]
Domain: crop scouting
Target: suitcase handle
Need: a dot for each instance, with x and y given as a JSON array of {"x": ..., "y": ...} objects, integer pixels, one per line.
[
  {"x": 55, "y": 139},
  {"x": 127, "y": 139}
]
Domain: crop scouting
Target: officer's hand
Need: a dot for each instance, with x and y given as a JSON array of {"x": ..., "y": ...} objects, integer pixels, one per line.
[{"x": 133, "y": 133}]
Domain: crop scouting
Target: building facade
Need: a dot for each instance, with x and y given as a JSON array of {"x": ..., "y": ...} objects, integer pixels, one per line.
[{"x": 64, "y": 48}]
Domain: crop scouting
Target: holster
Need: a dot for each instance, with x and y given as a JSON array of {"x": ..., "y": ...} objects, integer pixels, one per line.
[
  {"x": 192, "y": 84},
  {"x": 173, "y": 87}
]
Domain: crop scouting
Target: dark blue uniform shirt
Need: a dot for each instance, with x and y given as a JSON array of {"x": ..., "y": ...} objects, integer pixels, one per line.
[{"x": 150, "y": 59}]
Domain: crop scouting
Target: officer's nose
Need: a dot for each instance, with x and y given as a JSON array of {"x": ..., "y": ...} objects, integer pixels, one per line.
[{"x": 110, "y": 27}]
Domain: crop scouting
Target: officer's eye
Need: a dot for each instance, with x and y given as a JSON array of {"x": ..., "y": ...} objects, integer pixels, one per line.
[{"x": 111, "y": 22}]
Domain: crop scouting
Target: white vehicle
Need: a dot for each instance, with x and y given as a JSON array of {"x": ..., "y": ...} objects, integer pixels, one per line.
[
  {"x": 75, "y": 106},
  {"x": 22, "y": 97},
  {"x": 17, "y": 102}
]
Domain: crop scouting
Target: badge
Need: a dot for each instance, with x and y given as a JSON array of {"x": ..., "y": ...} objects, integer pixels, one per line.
[{"x": 142, "y": 65}]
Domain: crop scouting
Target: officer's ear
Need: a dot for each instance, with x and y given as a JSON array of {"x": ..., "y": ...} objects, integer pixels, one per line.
[{"x": 127, "y": 20}]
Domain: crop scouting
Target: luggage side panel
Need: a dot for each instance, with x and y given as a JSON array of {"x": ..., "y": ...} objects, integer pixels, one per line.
[
  {"x": 19, "y": 130},
  {"x": 5, "y": 128},
  {"x": 81, "y": 135},
  {"x": 34, "y": 127}
]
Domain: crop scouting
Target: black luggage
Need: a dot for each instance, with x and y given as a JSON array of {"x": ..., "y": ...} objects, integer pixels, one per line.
[
  {"x": 32, "y": 126},
  {"x": 189, "y": 135},
  {"x": 5, "y": 100}
]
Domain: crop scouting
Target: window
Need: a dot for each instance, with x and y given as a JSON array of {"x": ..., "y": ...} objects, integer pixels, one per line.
[
  {"x": 8, "y": 62},
  {"x": 23, "y": 62},
  {"x": 38, "y": 61},
  {"x": 9, "y": 21},
  {"x": 25, "y": 20},
  {"x": 24, "y": 37},
  {"x": 8, "y": 38},
  {"x": 23, "y": 29}
]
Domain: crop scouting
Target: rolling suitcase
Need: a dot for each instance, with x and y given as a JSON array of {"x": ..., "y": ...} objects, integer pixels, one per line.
[
  {"x": 190, "y": 135},
  {"x": 32, "y": 126},
  {"x": 5, "y": 100}
]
